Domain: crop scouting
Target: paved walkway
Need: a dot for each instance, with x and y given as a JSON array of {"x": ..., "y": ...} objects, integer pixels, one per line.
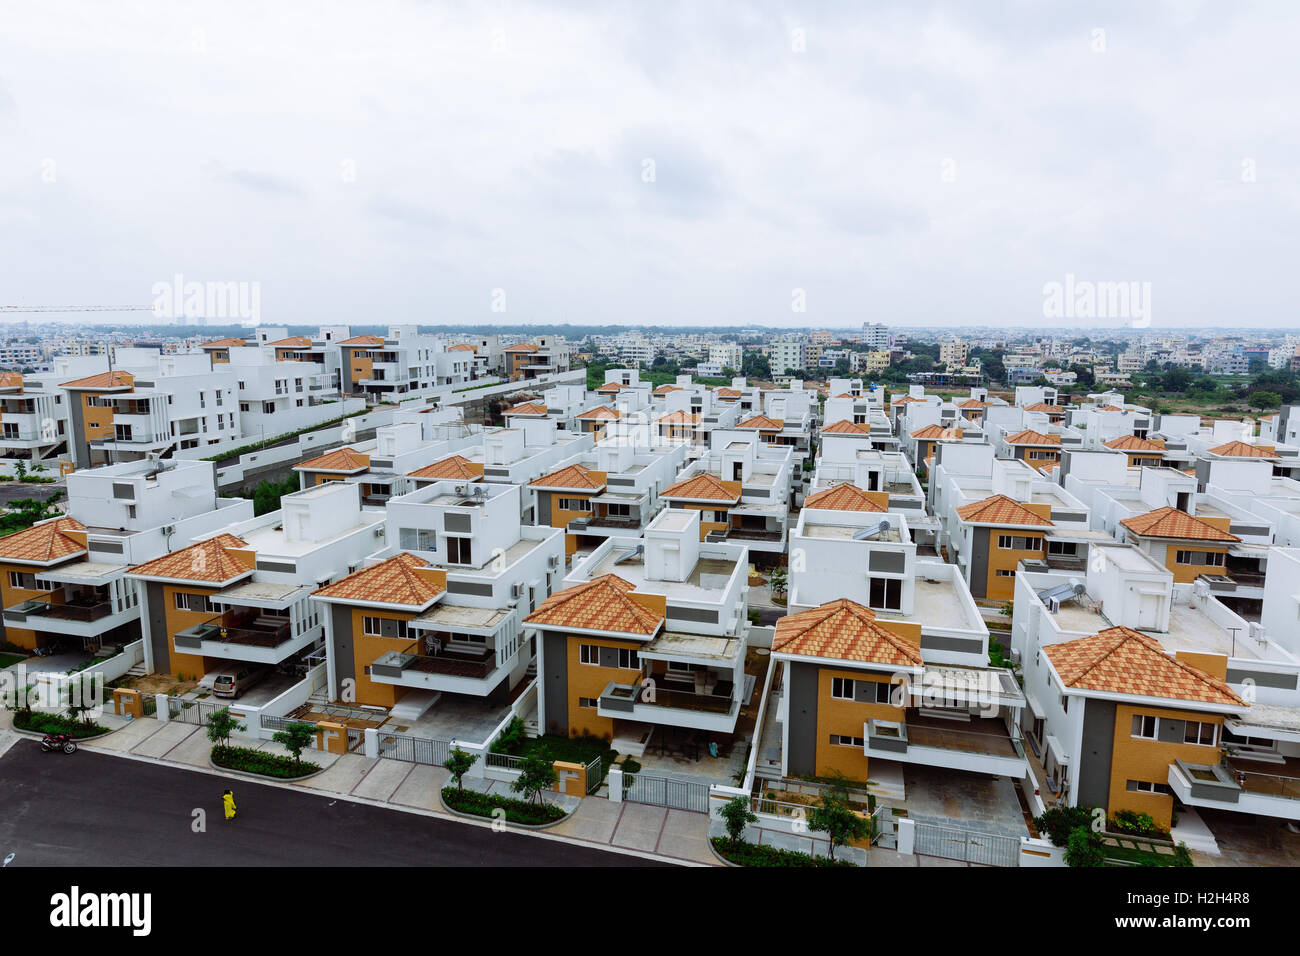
[{"x": 673, "y": 835}]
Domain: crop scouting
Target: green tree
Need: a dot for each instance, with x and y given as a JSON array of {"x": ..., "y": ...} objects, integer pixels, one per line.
[
  {"x": 1264, "y": 399},
  {"x": 296, "y": 738},
  {"x": 736, "y": 815},
  {"x": 221, "y": 725},
  {"x": 778, "y": 581},
  {"x": 1083, "y": 848},
  {"x": 458, "y": 764},
  {"x": 537, "y": 774},
  {"x": 833, "y": 816},
  {"x": 80, "y": 693}
]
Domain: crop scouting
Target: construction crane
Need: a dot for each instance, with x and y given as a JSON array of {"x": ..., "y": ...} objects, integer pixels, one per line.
[{"x": 6, "y": 309}]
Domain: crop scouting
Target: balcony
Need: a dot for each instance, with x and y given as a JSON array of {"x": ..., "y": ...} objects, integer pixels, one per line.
[
  {"x": 981, "y": 745},
  {"x": 257, "y": 638},
  {"x": 1248, "y": 786},
  {"x": 659, "y": 702},
  {"x": 443, "y": 666},
  {"x": 78, "y": 612},
  {"x": 1228, "y": 580}
]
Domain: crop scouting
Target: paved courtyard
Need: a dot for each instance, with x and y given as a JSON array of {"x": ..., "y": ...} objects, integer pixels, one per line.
[
  {"x": 1248, "y": 840},
  {"x": 973, "y": 801}
]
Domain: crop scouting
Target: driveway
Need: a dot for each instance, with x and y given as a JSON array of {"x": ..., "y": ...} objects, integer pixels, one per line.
[
  {"x": 1248, "y": 840},
  {"x": 958, "y": 799}
]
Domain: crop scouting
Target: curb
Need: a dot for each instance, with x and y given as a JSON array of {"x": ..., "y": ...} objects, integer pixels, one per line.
[
  {"x": 720, "y": 858},
  {"x": 513, "y": 826},
  {"x": 262, "y": 776},
  {"x": 37, "y": 735}
]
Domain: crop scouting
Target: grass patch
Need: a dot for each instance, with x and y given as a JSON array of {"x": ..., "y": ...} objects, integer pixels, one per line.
[
  {"x": 517, "y": 811},
  {"x": 39, "y": 723},
  {"x": 581, "y": 750},
  {"x": 259, "y": 761},
  {"x": 1180, "y": 857},
  {"x": 8, "y": 660},
  {"x": 750, "y": 854}
]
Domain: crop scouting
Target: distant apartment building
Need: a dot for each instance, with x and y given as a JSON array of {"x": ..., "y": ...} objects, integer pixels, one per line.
[{"x": 875, "y": 336}]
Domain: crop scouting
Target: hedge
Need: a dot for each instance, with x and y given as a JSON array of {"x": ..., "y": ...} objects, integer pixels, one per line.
[
  {"x": 39, "y": 723},
  {"x": 517, "y": 811},
  {"x": 751, "y": 854},
  {"x": 259, "y": 761}
]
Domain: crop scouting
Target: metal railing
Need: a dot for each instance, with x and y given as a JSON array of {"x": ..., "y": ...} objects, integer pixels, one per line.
[
  {"x": 66, "y": 611},
  {"x": 426, "y": 750},
  {"x": 503, "y": 761},
  {"x": 214, "y": 630},
  {"x": 1267, "y": 784}
]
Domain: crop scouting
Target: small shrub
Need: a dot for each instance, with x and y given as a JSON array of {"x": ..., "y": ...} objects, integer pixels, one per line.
[
  {"x": 38, "y": 723},
  {"x": 259, "y": 761},
  {"x": 750, "y": 854},
  {"x": 1083, "y": 848},
  {"x": 517, "y": 811}
]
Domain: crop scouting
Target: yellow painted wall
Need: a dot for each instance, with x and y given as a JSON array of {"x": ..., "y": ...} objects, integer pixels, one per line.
[
  {"x": 191, "y": 665},
  {"x": 1134, "y": 758},
  {"x": 998, "y": 588},
  {"x": 23, "y": 637},
  {"x": 1187, "y": 573},
  {"x": 589, "y": 680},
  {"x": 98, "y": 419},
  {"x": 365, "y": 650},
  {"x": 846, "y": 718}
]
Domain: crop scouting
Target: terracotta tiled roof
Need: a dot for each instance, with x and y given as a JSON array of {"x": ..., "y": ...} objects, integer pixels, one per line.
[
  {"x": 846, "y": 427},
  {"x": 1241, "y": 449},
  {"x": 11, "y": 379},
  {"x": 117, "y": 379},
  {"x": 845, "y": 395},
  {"x": 521, "y": 347},
  {"x": 1169, "y": 522},
  {"x": 1134, "y": 443},
  {"x": 728, "y": 393},
  {"x": 904, "y": 400},
  {"x": 340, "y": 459},
  {"x": 973, "y": 403},
  {"x": 1120, "y": 660},
  {"x": 293, "y": 341},
  {"x": 999, "y": 509},
  {"x": 1044, "y": 407},
  {"x": 577, "y": 477},
  {"x": 392, "y": 581},
  {"x": 461, "y": 347},
  {"x": 527, "y": 408},
  {"x": 843, "y": 497},
  {"x": 680, "y": 417},
  {"x": 937, "y": 431},
  {"x": 43, "y": 542},
  {"x": 845, "y": 630},
  {"x": 704, "y": 487},
  {"x": 763, "y": 423},
  {"x": 206, "y": 562},
  {"x": 223, "y": 344},
  {"x": 665, "y": 389},
  {"x": 455, "y": 468},
  {"x": 610, "y": 387},
  {"x": 1110, "y": 408},
  {"x": 601, "y": 604},
  {"x": 599, "y": 413},
  {"x": 1031, "y": 437},
  {"x": 363, "y": 340}
]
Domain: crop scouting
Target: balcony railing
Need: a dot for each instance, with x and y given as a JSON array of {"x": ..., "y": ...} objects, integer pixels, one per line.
[
  {"x": 67, "y": 611},
  {"x": 246, "y": 632},
  {"x": 756, "y": 534},
  {"x": 452, "y": 663},
  {"x": 626, "y": 696}
]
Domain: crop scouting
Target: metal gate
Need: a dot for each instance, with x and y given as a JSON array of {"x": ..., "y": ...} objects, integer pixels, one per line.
[
  {"x": 191, "y": 711},
  {"x": 970, "y": 846},
  {"x": 886, "y": 835},
  {"x": 667, "y": 792},
  {"x": 429, "y": 750}
]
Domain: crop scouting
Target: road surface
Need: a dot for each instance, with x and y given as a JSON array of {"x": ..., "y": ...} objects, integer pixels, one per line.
[{"x": 89, "y": 809}]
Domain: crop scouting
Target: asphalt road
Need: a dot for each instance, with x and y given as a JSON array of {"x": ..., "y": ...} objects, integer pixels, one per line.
[{"x": 92, "y": 809}]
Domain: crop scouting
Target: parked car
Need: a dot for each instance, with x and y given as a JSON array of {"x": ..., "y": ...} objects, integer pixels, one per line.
[{"x": 233, "y": 682}]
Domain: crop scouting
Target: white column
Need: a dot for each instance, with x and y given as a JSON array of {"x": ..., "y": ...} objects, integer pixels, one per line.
[
  {"x": 372, "y": 743},
  {"x": 161, "y": 710},
  {"x": 615, "y": 781},
  {"x": 906, "y": 836}
]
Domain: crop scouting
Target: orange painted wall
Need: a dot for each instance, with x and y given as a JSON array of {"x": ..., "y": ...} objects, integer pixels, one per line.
[
  {"x": 589, "y": 680},
  {"x": 191, "y": 665},
  {"x": 846, "y": 718},
  {"x": 998, "y": 588},
  {"x": 23, "y": 637},
  {"x": 1187, "y": 573},
  {"x": 98, "y": 419},
  {"x": 365, "y": 650},
  {"x": 1134, "y": 758}
]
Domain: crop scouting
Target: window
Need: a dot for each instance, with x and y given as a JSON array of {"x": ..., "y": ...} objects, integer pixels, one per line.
[
  {"x": 884, "y": 692},
  {"x": 589, "y": 654},
  {"x": 374, "y": 627},
  {"x": 842, "y": 688},
  {"x": 1146, "y": 786},
  {"x": 839, "y": 740},
  {"x": 1201, "y": 733},
  {"x": 459, "y": 551},
  {"x": 574, "y": 504},
  {"x": 628, "y": 658},
  {"x": 1015, "y": 542},
  {"x": 19, "y": 579},
  {"x": 886, "y": 593},
  {"x": 1144, "y": 725},
  {"x": 417, "y": 539},
  {"x": 1005, "y": 573},
  {"x": 587, "y": 702},
  {"x": 268, "y": 407},
  {"x": 619, "y": 511},
  {"x": 244, "y": 406},
  {"x": 1063, "y": 547},
  {"x": 197, "y": 603}
]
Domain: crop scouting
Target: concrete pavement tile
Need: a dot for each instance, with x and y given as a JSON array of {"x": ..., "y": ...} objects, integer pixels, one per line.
[
  {"x": 594, "y": 820},
  {"x": 193, "y": 750},
  {"x": 420, "y": 788},
  {"x": 383, "y": 779},
  {"x": 344, "y": 774},
  {"x": 685, "y": 835},
  {"x": 126, "y": 738},
  {"x": 640, "y": 827},
  {"x": 167, "y": 737}
]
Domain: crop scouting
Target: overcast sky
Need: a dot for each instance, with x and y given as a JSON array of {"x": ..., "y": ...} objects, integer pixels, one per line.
[{"x": 653, "y": 163}]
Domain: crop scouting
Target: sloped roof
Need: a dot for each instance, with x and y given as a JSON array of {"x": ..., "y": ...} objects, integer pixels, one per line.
[
  {"x": 577, "y": 477},
  {"x": 521, "y": 347},
  {"x": 706, "y": 487},
  {"x": 610, "y": 387},
  {"x": 728, "y": 393},
  {"x": 903, "y": 400},
  {"x": 601, "y": 604},
  {"x": 1241, "y": 449},
  {"x": 999, "y": 509},
  {"x": 1031, "y": 437},
  {"x": 1044, "y": 407},
  {"x": 1109, "y": 408},
  {"x": 1134, "y": 443},
  {"x": 207, "y": 562},
  {"x": 600, "y": 412},
  {"x": 680, "y": 417},
  {"x": 43, "y": 542},
  {"x": 762, "y": 423},
  {"x": 666, "y": 388},
  {"x": 11, "y": 379},
  {"x": 392, "y": 581},
  {"x": 363, "y": 340},
  {"x": 462, "y": 347},
  {"x": 843, "y": 497},
  {"x": 1120, "y": 660},
  {"x": 115, "y": 379},
  {"x": 527, "y": 408},
  {"x": 1169, "y": 522},
  {"x": 973, "y": 403},
  {"x": 293, "y": 341},
  {"x": 937, "y": 431},
  {"x": 846, "y": 630},
  {"x": 845, "y": 395},
  {"x": 223, "y": 344},
  {"x": 340, "y": 459},
  {"x": 454, "y": 467},
  {"x": 846, "y": 427}
]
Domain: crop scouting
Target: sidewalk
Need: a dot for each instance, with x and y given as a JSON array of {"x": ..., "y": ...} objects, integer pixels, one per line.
[{"x": 656, "y": 832}]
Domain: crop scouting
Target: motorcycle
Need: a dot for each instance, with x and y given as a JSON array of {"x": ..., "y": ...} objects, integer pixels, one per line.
[{"x": 58, "y": 742}]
